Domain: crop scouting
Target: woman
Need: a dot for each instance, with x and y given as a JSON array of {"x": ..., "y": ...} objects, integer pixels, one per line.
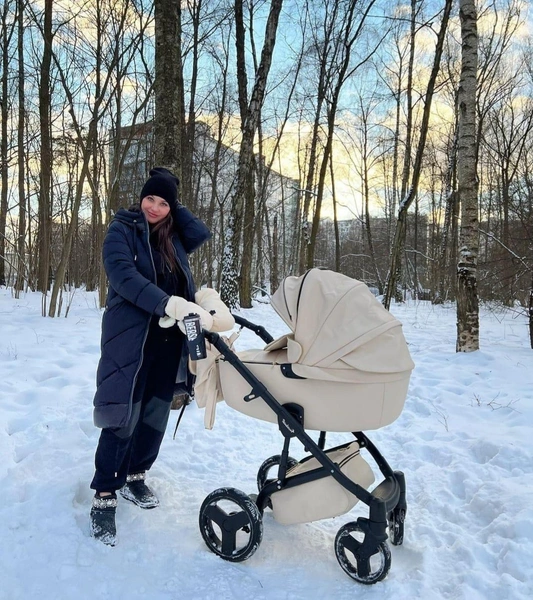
[{"x": 145, "y": 258}]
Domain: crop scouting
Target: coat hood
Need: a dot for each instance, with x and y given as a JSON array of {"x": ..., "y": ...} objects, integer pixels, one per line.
[
  {"x": 191, "y": 230},
  {"x": 132, "y": 216}
]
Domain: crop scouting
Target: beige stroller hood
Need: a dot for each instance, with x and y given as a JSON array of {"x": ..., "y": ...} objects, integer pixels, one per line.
[
  {"x": 345, "y": 360},
  {"x": 341, "y": 332}
]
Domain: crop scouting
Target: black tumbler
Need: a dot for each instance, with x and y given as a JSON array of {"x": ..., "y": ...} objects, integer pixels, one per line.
[{"x": 195, "y": 336}]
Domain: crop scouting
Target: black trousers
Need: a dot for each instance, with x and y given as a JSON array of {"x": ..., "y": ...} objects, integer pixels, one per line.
[{"x": 134, "y": 448}]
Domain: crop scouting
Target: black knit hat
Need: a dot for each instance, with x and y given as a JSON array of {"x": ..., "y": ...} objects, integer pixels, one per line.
[{"x": 162, "y": 183}]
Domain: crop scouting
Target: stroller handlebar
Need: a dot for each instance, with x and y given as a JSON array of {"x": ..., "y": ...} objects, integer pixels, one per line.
[{"x": 257, "y": 329}]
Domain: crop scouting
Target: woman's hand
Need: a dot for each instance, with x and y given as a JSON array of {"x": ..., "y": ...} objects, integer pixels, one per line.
[
  {"x": 177, "y": 308},
  {"x": 209, "y": 299}
]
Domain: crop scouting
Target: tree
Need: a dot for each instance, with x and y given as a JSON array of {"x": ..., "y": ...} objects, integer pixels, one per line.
[
  {"x": 401, "y": 224},
  {"x": 230, "y": 269},
  {"x": 46, "y": 159},
  {"x": 6, "y": 35},
  {"x": 169, "y": 122},
  {"x": 245, "y": 223},
  {"x": 22, "y": 204},
  {"x": 467, "y": 296},
  {"x": 88, "y": 102},
  {"x": 352, "y": 19}
]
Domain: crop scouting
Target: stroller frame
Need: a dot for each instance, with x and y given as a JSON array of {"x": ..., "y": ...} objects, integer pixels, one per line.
[{"x": 386, "y": 502}]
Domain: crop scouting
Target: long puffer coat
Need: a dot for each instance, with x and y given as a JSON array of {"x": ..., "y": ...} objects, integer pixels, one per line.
[{"x": 133, "y": 298}]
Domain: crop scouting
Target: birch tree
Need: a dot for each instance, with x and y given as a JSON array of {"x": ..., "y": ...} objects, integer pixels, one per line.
[{"x": 467, "y": 296}]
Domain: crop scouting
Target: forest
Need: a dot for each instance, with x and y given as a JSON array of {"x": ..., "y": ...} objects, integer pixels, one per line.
[{"x": 390, "y": 141}]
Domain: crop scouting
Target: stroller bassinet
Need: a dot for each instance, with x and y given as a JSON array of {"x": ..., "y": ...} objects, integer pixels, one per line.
[{"x": 344, "y": 367}]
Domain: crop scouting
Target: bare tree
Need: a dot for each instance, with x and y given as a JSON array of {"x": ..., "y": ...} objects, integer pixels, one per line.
[
  {"x": 7, "y": 32},
  {"x": 95, "y": 105},
  {"x": 245, "y": 223},
  {"x": 401, "y": 224},
  {"x": 230, "y": 269},
  {"x": 369, "y": 157},
  {"x": 352, "y": 19},
  {"x": 46, "y": 158},
  {"x": 22, "y": 204}
]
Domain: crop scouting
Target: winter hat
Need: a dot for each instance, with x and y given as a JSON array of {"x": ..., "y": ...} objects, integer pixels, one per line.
[{"x": 162, "y": 183}]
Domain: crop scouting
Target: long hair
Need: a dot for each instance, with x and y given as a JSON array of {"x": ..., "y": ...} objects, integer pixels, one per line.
[
  {"x": 163, "y": 235},
  {"x": 163, "y": 239}
]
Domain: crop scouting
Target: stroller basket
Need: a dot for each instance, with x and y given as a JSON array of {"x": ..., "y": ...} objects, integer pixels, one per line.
[
  {"x": 321, "y": 498},
  {"x": 327, "y": 483}
]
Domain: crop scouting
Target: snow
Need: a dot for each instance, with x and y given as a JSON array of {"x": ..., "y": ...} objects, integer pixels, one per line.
[{"x": 464, "y": 441}]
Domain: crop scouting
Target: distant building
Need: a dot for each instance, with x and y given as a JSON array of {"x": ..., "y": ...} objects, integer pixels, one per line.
[
  {"x": 214, "y": 170},
  {"x": 137, "y": 143}
]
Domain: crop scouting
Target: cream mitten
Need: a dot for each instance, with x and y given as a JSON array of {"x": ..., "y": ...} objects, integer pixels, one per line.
[
  {"x": 209, "y": 299},
  {"x": 166, "y": 322},
  {"x": 178, "y": 308}
]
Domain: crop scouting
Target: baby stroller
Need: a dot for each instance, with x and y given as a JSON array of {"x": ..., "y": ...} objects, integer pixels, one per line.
[{"x": 344, "y": 367}]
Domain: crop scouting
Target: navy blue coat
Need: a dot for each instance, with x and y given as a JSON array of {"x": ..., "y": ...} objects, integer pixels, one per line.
[{"x": 133, "y": 298}]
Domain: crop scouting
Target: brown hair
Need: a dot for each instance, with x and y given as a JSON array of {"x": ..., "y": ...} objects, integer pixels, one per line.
[{"x": 163, "y": 232}]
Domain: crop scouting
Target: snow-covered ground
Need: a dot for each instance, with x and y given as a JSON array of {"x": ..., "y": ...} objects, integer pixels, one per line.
[{"x": 464, "y": 441}]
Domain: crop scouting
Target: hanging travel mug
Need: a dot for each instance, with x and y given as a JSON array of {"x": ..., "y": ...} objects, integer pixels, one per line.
[{"x": 195, "y": 337}]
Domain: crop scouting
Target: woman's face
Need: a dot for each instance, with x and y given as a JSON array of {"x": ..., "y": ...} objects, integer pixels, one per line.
[{"x": 155, "y": 208}]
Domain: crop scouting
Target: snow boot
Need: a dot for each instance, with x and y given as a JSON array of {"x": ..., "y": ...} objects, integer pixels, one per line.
[
  {"x": 103, "y": 526},
  {"x": 136, "y": 491}
]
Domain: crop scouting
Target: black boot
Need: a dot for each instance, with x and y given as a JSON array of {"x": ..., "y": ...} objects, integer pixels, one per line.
[
  {"x": 136, "y": 491},
  {"x": 103, "y": 526}
]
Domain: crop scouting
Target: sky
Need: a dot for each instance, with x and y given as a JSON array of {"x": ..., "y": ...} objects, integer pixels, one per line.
[{"x": 464, "y": 441}]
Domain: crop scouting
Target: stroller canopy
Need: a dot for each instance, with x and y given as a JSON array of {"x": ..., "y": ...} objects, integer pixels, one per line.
[
  {"x": 340, "y": 331},
  {"x": 348, "y": 353}
]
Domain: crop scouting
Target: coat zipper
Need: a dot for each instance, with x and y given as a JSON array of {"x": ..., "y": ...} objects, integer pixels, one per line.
[{"x": 130, "y": 404}]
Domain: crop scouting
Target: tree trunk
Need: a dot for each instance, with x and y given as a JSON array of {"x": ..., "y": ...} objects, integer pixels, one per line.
[
  {"x": 445, "y": 250},
  {"x": 308, "y": 191},
  {"x": 4, "y": 158},
  {"x": 229, "y": 288},
  {"x": 45, "y": 204},
  {"x": 187, "y": 149},
  {"x": 240, "y": 44},
  {"x": 21, "y": 241},
  {"x": 96, "y": 211},
  {"x": 244, "y": 227},
  {"x": 366, "y": 201},
  {"x": 352, "y": 22},
  {"x": 335, "y": 217},
  {"x": 467, "y": 297},
  {"x": 54, "y": 308},
  {"x": 530, "y": 313},
  {"x": 401, "y": 226},
  {"x": 248, "y": 236},
  {"x": 406, "y": 171},
  {"x": 274, "y": 265},
  {"x": 169, "y": 118}
]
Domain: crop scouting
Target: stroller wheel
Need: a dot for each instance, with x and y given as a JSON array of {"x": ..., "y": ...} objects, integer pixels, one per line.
[
  {"x": 349, "y": 539},
  {"x": 273, "y": 461},
  {"x": 396, "y": 526},
  {"x": 231, "y": 524}
]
